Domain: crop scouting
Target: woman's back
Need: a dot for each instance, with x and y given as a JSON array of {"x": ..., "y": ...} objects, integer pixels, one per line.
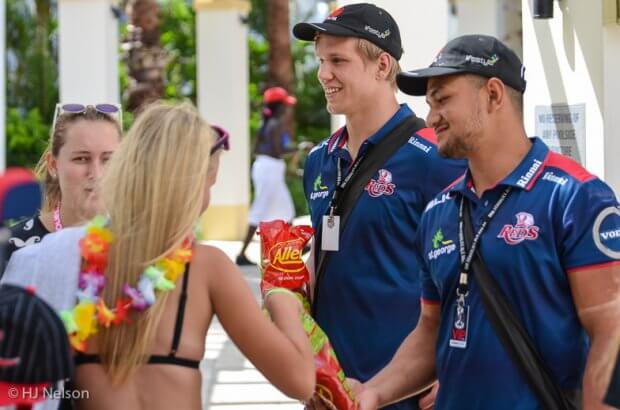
[
  {"x": 168, "y": 385},
  {"x": 216, "y": 286}
]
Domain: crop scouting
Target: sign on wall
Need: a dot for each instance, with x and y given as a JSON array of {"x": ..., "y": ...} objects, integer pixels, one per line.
[{"x": 563, "y": 128}]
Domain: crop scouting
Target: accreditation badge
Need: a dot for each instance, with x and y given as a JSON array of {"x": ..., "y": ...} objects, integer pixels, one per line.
[{"x": 460, "y": 325}]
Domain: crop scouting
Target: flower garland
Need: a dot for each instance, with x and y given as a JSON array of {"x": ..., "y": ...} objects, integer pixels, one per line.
[{"x": 90, "y": 312}]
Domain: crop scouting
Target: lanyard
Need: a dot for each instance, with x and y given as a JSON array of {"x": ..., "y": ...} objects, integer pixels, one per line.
[
  {"x": 468, "y": 255},
  {"x": 342, "y": 184},
  {"x": 57, "y": 221}
]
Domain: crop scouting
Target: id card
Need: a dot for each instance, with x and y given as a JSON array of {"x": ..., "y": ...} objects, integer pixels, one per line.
[
  {"x": 330, "y": 235},
  {"x": 458, "y": 335}
]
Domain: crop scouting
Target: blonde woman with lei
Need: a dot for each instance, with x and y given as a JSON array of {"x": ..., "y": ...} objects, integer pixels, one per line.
[{"x": 140, "y": 332}]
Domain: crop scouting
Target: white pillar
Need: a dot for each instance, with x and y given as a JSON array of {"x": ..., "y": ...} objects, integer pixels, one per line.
[
  {"x": 423, "y": 28},
  {"x": 478, "y": 17},
  {"x": 611, "y": 102},
  {"x": 572, "y": 60},
  {"x": 2, "y": 85},
  {"x": 223, "y": 78},
  {"x": 88, "y": 51},
  {"x": 498, "y": 18}
]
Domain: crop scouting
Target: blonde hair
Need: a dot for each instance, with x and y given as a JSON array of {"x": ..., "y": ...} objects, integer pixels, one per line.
[
  {"x": 371, "y": 52},
  {"x": 153, "y": 191},
  {"x": 58, "y": 136}
]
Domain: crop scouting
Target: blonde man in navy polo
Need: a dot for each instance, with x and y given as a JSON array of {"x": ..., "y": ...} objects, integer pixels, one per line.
[
  {"x": 368, "y": 296},
  {"x": 548, "y": 234}
]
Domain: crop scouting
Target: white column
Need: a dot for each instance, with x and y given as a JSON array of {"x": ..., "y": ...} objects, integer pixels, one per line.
[
  {"x": 2, "y": 85},
  {"x": 611, "y": 102},
  {"x": 223, "y": 77},
  {"x": 478, "y": 17},
  {"x": 498, "y": 18},
  {"x": 573, "y": 60},
  {"x": 423, "y": 28},
  {"x": 88, "y": 51}
]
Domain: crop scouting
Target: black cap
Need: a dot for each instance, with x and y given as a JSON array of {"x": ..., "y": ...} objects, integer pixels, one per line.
[
  {"x": 33, "y": 335},
  {"x": 362, "y": 20},
  {"x": 474, "y": 54}
]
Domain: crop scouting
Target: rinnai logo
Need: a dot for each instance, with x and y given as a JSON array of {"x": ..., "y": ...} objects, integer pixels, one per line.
[
  {"x": 418, "y": 144},
  {"x": 378, "y": 33},
  {"x": 481, "y": 60},
  {"x": 524, "y": 229},
  {"x": 525, "y": 179},
  {"x": 550, "y": 176},
  {"x": 334, "y": 14},
  {"x": 382, "y": 186}
]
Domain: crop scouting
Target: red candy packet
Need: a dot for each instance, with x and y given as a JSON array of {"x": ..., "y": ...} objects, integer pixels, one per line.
[
  {"x": 282, "y": 266},
  {"x": 281, "y": 249}
]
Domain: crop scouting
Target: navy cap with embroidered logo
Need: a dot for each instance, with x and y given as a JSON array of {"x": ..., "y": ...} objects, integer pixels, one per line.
[
  {"x": 474, "y": 54},
  {"x": 362, "y": 20}
]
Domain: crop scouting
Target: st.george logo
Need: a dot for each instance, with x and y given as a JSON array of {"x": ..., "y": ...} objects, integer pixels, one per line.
[
  {"x": 524, "y": 229},
  {"x": 382, "y": 186}
]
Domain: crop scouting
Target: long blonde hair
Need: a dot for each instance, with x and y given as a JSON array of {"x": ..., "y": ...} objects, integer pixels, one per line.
[
  {"x": 58, "y": 136},
  {"x": 153, "y": 191}
]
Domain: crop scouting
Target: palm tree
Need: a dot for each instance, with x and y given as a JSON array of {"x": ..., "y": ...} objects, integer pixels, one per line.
[{"x": 280, "y": 61}]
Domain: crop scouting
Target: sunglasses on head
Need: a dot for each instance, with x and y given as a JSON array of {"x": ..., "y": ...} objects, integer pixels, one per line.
[
  {"x": 222, "y": 141},
  {"x": 107, "y": 109}
]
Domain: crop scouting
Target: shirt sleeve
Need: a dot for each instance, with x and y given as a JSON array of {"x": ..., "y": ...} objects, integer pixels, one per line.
[
  {"x": 441, "y": 173},
  {"x": 590, "y": 227},
  {"x": 430, "y": 293}
]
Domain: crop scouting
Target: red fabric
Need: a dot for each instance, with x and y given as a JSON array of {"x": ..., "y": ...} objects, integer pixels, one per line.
[
  {"x": 569, "y": 166},
  {"x": 11, "y": 178}
]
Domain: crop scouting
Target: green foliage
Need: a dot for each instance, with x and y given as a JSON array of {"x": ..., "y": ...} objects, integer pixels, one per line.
[
  {"x": 27, "y": 136},
  {"x": 32, "y": 78},
  {"x": 177, "y": 25}
]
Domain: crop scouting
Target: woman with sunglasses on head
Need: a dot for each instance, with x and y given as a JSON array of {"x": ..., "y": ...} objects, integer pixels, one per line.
[
  {"x": 140, "y": 290},
  {"x": 82, "y": 141}
]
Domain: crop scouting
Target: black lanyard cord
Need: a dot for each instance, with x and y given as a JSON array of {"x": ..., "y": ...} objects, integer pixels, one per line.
[
  {"x": 342, "y": 184},
  {"x": 467, "y": 255}
]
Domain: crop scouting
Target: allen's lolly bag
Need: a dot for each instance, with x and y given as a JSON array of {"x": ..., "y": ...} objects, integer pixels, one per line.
[{"x": 282, "y": 266}]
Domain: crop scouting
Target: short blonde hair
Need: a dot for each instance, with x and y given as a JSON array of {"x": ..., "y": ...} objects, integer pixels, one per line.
[{"x": 371, "y": 52}]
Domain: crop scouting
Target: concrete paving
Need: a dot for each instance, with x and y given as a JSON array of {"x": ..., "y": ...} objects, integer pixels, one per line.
[{"x": 230, "y": 381}]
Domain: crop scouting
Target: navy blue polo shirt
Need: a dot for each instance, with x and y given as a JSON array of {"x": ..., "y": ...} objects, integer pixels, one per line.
[
  {"x": 558, "y": 219},
  {"x": 369, "y": 293}
]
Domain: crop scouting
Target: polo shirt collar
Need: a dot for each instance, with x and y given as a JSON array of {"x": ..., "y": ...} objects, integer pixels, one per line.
[
  {"x": 524, "y": 176},
  {"x": 338, "y": 141}
]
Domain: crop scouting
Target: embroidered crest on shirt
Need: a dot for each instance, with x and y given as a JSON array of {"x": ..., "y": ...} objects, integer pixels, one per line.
[
  {"x": 524, "y": 229},
  {"x": 382, "y": 186}
]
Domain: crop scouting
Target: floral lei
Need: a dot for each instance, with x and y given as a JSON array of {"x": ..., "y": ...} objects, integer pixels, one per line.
[{"x": 90, "y": 312}]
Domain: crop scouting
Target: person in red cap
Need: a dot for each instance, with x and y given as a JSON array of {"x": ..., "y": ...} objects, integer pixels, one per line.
[{"x": 272, "y": 199}]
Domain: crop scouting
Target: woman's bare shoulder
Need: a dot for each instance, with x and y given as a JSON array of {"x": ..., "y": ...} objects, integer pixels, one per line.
[{"x": 211, "y": 258}]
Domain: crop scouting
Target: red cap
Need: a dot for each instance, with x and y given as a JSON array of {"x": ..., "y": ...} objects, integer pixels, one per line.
[{"x": 278, "y": 95}]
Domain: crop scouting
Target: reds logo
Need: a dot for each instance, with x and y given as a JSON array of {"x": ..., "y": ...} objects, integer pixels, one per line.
[
  {"x": 334, "y": 14},
  {"x": 524, "y": 229},
  {"x": 382, "y": 186}
]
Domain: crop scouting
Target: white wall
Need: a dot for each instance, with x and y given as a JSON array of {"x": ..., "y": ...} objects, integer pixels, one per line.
[
  {"x": 568, "y": 60},
  {"x": 223, "y": 96},
  {"x": 88, "y": 52}
]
